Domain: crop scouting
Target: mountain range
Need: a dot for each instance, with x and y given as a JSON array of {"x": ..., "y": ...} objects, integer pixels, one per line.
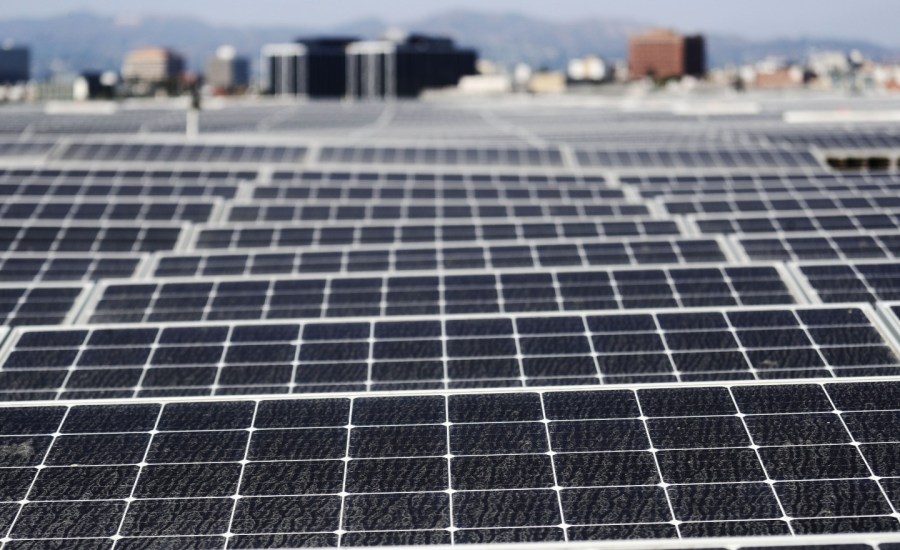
[{"x": 81, "y": 40}]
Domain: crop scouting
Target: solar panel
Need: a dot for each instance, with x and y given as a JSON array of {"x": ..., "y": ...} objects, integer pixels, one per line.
[
  {"x": 481, "y": 156},
  {"x": 187, "y": 210},
  {"x": 82, "y": 189},
  {"x": 782, "y": 203},
  {"x": 730, "y": 183},
  {"x": 428, "y": 353},
  {"x": 439, "y": 323},
  {"x": 717, "y": 157},
  {"x": 398, "y": 191},
  {"x": 547, "y": 179},
  {"x": 180, "y": 153},
  {"x": 40, "y": 304},
  {"x": 309, "y": 211},
  {"x": 211, "y": 299},
  {"x": 861, "y": 220},
  {"x": 852, "y": 281},
  {"x": 458, "y": 467},
  {"x": 238, "y": 236},
  {"x": 15, "y": 149},
  {"x": 581, "y": 253},
  {"x": 121, "y": 176},
  {"x": 104, "y": 237},
  {"x": 25, "y": 267},
  {"x": 836, "y": 245}
]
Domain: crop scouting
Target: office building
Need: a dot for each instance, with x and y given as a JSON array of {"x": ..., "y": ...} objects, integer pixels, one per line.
[
  {"x": 664, "y": 54},
  {"x": 15, "y": 64},
  {"x": 227, "y": 72},
  {"x": 152, "y": 69},
  {"x": 389, "y": 68},
  {"x": 314, "y": 67},
  {"x": 95, "y": 85}
]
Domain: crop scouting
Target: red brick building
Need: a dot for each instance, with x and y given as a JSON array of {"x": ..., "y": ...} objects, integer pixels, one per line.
[{"x": 663, "y": 54}]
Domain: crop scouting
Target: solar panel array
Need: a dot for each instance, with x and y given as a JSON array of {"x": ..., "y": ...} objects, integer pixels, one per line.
[{"x": 329, "y": 325}]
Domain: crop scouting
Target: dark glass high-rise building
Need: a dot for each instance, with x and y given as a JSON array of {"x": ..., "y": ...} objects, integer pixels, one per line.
[
  {"x": 344, "y": 67},
  {"x": 695, "y": 56},
  {"x": 314, "y": 67},
  {"x": 405, "y": 69},
  {"x": 15, "y": 64}
]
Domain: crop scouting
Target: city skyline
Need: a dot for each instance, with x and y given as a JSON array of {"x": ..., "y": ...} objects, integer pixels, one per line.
[{"x": 870, "y": 20}]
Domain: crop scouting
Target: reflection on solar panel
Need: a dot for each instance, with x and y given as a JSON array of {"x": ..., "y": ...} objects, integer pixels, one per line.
[
  {"x": 525, "y": 466},
  {"x": 319, "y": 325}
]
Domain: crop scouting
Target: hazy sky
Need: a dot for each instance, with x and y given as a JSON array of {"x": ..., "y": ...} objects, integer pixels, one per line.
[{"x": 874, "y": 20}]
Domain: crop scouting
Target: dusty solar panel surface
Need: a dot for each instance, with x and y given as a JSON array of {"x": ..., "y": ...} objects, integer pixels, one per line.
[{"x": 440, "y": 324}]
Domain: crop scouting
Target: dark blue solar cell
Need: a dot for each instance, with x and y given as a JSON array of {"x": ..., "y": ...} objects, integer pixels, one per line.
[
  {"x": 495, "y": 408},
  {"x": 194, "y": 335},
  {"x": 206, "y": 416},
  {"x": 337, "y": 331},
  {"x": 479, "y": 327},
  {"x": 686, "y": 402},
  {"x": 550, "y": 325},
  {"x": 265, "y": 333},
  {"x": 122, "y": 337},
  {"x": 303, "y": 413},
  {"x": 407, "y": 330}
]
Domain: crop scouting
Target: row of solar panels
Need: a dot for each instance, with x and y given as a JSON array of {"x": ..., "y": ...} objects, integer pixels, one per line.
[
  {"x": 56, "y": 253},
  {"x": 790, "y": 194},
  {"x": 542, "y": 179},
  {"x": 701, "y": 156},
  {"x": 725, "y": 460},
  {"x": 424, "y": 292},
  {"x": 306, "y": 211},
  {"x": 481, "y": 351}
]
